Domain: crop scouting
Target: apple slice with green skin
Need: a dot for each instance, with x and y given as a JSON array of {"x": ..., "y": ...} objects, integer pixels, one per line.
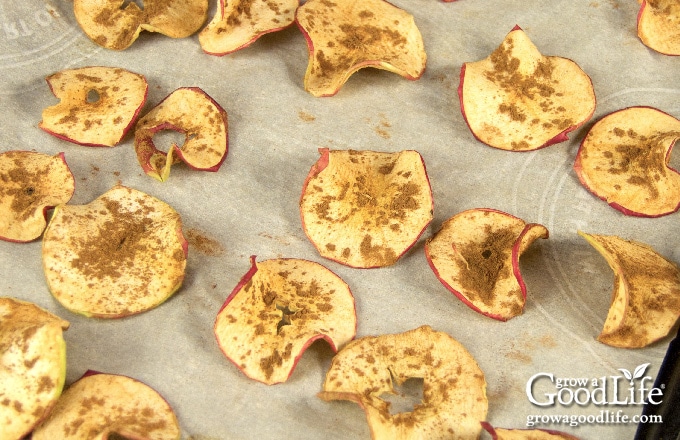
[
  {"x": 520, "y": 100},
  {"x": 97, "y": 105},
  {"x": 116, "y": 24},
  {"x": 624, "y": 159},
  {"x": 277, "y": 310},
  {"x": 344, "y": 36},
  {"x": 366, "y": 209},
  {"x": 454, "y": 389},
  {"x": 32, "y": 183},
  {"x": 190, "y": 111},
  {"x": 122, "y": 254},
  {"x": 526, "y": 434},
  {"x": 476, "y": 255},
  {"x": 658, "y": 25},
  {"x": 645, "y": 302},
  {"x": 33, "y": 364},
  {"x": 99, "y": 406},
  {"x": 240, "y": 23}
]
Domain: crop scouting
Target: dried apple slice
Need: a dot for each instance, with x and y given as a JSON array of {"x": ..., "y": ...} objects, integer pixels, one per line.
[
  {"x": 190, "y": 111},
  {"x": 103, "y": 406},
  {"x": 239, "y": 23},
  {"x": 624, "y": 159},
  {"x": 365, "y": 208},
  {"x": 526, "y": 434},
  {"x": 116, "y": 24},
  {"x": 344, "y": 36},
  {"x": 520, "y": 100},
  {"x": 32, "y": 183},
  {"x": 476, "y": 255},
  {"x": 278, "y": 309},
  {"x": 121, "y": 254},
  {"x": 33, "y": 365},
  {"x": 97, "y": 105},
  {"x": 658, "y": 25},
  {"x": 454, "y": 389},
  {"x": 645, "y": 302}
]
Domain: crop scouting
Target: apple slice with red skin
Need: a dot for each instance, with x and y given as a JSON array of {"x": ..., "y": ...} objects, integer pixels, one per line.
[
  {"x": 191, "y": 111},
  {"x": 476, "y": 255},
  {"x": 344, "y": 36},
  {"x": 32, "y": 183},
  {"x": 624, "y": 159},
  {"x": 97, "y": 105},
  {"x": 366, "y": 209},
  {"x": 658, "y": 25},
  {"x": 122, "y": 254},
  {"x": 33, "y": 363},
  {"x": 454, "y": 389},
  {"x": 526, "y": 434},
  {"x": 277, "y": 310},
  {"x": 100, "y": 405},
  {"x": 116, "y": 24},
  {"x": 240, "y": 23},
  {"x": 520, "y": 100},
  {"x": 645, "y": 303}
]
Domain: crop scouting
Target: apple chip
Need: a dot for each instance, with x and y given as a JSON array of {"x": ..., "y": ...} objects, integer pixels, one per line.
[
  {"x": 624, "y": 159},
  {"x": 277, "y": 310},
  {"x": 116, "y": 24},
  {"x": 454, "y": 389},
  {"x": 121, "y": 254},
  {"x": 364, "y": 208},
  {"x": 97, "y": 105},
  {"x": 103, "y": 406},
  {"x": 239, "y": 23},
  {"x": 344, "y": 36},
  {"x": 32, "y": 183},
  {"x": 33, "y": 365},
  {"x": 519, "y": 100},
  {"x": 526, "y": 434},
  {"x": 645, "y": 302},
  {"x": 658, "y": 25},
  {"x": 192, "y": 112},
  {"x": 476, "y": 255}
]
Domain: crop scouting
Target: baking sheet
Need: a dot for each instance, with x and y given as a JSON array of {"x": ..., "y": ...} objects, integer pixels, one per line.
[{"x": 250, "y": 207}]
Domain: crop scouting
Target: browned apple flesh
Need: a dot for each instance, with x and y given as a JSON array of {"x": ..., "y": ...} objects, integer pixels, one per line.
[
  {"x": 97, "y": 105},
  {"x": 344, "y": 36},
  {"x": 454, "y": 399},
  {"x": 624, "y": 159},
  {"x": 204, "y": 123},
  {"x": 31, "y": 183},
  {"x": 658, "y": 25},
  {"x": 33, "y": 364},
  {"x": 476, "y": 255},
  {"x": 364, "y": 208},
  {"x": 122, "y": 254},
  {"x": 520, "y": 100},
  {"x": 279, "y": 308}
]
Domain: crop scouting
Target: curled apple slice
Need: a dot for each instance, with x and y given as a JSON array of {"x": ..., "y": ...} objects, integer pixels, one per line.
[
  {"x": 364, "y": 208},
  {"x": 277, "y": 310},
  {"x": 121, "y": 254},
  {"x": 102, "y": 406},
  {"x": 97, "y": 105},
  {"x": 116, "y": 24},
  {"x": 645, "y": 302},
  {"x": 344, "y": 36},
  {"x": 518, "y": 99},
  {"x": 32, "y": 183},
  {"x": 476, "y": 255},
  {"x": 658, "y": 25},
  {"x": 454, "y": 389},
  {"x": 239, "y": 23},
  {"x": 33, "y": 364},
  {"x": 525, "y": 434},
  {"x": 192, "y": 112},
  {"x": 624, "y": 159}
]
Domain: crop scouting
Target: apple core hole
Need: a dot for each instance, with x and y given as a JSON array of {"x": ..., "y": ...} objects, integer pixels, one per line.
[
  {"x": 126, "y": 3},
  {"x": 164, "y": 140},
  {"x": 406, "y": 396},
  {"x": 285, "y": 317},
  {"x": 93, "y": 96},
  {"x": 674, "y": 158}
]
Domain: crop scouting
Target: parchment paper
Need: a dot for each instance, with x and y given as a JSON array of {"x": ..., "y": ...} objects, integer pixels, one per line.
[{"x": 250, "y": 207}]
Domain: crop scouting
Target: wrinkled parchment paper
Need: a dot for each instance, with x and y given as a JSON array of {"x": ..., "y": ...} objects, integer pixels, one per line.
[{"x": 250, "y": 207}]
